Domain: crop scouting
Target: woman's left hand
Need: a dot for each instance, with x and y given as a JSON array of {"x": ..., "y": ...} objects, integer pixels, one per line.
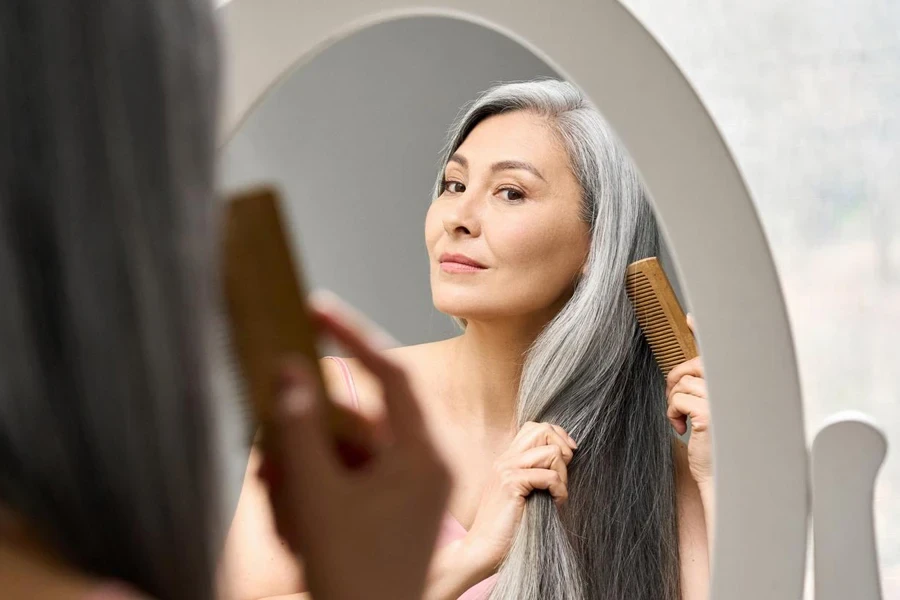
[{"x": 686, "y": 395}]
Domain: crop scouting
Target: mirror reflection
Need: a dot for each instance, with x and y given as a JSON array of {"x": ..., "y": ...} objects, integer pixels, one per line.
[{"x": 462, "y": 196}]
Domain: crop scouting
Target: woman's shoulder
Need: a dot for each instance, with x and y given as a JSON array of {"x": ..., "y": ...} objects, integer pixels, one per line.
[
  {"x": 411, "y": 358},
  {"x": 417, "y": 360}
]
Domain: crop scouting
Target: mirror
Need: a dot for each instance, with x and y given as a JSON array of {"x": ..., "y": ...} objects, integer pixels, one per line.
[
  {"x": 353, "y": 139},
  {"x": 687, "y": 171}
]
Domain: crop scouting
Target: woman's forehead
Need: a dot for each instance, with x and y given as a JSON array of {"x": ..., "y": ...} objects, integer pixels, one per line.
[{"x": 514, "y": 136}]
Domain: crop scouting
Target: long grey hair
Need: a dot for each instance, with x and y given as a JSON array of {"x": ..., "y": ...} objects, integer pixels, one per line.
[
  {"x": 591, "y": 372},
  {"x": 107, "y": 116}
]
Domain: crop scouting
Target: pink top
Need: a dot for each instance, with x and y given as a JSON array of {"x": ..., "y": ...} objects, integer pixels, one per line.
[{"x": 451, "y": 528}]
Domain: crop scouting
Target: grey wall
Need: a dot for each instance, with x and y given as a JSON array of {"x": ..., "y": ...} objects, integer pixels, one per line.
[{"x": 353, "y": 139}]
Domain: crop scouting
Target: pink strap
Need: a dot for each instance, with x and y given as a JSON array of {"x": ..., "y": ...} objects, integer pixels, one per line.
[{"x": 348, "y": 379}]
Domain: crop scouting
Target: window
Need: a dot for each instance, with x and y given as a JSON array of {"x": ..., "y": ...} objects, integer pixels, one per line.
[{"x": 807, "y": 96}]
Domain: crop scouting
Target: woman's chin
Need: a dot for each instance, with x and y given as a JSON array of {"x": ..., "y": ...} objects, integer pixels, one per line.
[{"x": 469, "y": 311}]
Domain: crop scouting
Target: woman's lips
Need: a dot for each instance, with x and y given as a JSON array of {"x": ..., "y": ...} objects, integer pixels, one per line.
[
  {"x": 455, "y": 267},
  {"x": 459, "y": 263}
]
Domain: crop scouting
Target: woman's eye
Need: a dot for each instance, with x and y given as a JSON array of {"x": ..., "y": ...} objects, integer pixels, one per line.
[
  {"x": 454, "y": 187},
  {"x": 512, "y": 194}
]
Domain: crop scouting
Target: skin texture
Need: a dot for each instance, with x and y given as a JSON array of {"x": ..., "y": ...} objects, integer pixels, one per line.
[
  {"x": 527, "y": 231},
  {"x": 524, "y": 226}
]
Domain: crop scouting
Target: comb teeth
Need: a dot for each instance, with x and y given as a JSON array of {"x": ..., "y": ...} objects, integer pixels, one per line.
[
  {"x": 659, "y": 314},
  {"x": 228, "y": 383}
]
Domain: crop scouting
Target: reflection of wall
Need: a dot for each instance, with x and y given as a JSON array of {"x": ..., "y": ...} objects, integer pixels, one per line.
[{"x": 354, "y": 137}]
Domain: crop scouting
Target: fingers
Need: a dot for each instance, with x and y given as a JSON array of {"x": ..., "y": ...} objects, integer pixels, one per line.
[
  {"x": 565, "y": 435},
  {"x": 538, "y": 459},
  {"x": 542, "y": 434},
  {"x": 543, "y": 457},
  {"x": 300, "y": 439},
  {"x": 686, "y": 392},
  {"x": 682, "y": 406},
  {"x": 690, "y": 385},
  {"x": 691, "y": 323},
  {"x": 357, "y": 441},
  {"x": 543, "y": 479},
  {"x": 403, "y": 413},
  {"x": 692, "y": 367},
  {"x": 326, "y": 301}
]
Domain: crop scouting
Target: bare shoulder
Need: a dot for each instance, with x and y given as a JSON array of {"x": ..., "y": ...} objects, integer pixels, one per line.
[{"x": 418, "y": 361}]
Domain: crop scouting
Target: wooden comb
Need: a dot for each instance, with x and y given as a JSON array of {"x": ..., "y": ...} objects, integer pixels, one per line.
[
  {"x": 659, "y": 314},
  {"x": 269, "y": 320}
]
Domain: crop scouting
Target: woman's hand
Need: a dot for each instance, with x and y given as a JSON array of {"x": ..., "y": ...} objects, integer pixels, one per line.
[
  {"x": 366, "y": 532},
  {"x": 536, "y": 460},
  {"x": 686, "y": 394}
]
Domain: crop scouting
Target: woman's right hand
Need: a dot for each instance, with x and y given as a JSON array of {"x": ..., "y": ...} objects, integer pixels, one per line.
[
  {"x": 537, "y": 459},
  {"x": 363, "y": 532}
]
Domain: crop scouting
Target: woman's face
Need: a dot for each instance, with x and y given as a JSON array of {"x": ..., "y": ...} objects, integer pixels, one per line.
[{"x": 511, "y": 208}]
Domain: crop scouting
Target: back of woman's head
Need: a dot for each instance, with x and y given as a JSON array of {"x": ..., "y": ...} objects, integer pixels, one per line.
[
  {"x": 107, "y": 116},
  {"x": 591, "y": 372}
]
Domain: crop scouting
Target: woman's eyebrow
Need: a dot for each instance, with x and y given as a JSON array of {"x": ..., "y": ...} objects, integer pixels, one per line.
[
  {"x": 511, "y": 165},
  {"x": 458, "y": 159},
  {"x": 503, "y": 165}
]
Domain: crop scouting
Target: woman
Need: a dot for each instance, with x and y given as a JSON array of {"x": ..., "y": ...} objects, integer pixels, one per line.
[
  {"x": 550, "y": 398},
  {"x": 107, "y": 482}
]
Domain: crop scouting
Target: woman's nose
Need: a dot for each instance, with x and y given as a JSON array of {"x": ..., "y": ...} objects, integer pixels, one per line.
[{"x": 463, "y": 218}]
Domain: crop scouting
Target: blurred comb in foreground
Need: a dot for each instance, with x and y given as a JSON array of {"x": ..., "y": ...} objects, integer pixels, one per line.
[
  {"x": 659, "y": 314},
  {"x": 268, "y": 316}
]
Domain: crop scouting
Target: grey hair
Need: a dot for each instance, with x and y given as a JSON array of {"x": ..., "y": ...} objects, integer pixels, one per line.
[
  {"x": 591, "y": 372},
  {"x": 107, "y": 147}
]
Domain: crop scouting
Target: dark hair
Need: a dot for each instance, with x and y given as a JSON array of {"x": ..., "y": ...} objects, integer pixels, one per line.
[{"x": 107, "y": 145}]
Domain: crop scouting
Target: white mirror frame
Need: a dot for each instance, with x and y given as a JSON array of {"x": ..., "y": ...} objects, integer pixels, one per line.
[{"x": 707, "y": 216}]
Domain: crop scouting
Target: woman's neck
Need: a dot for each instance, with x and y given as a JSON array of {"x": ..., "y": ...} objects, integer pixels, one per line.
[{"x": 484, "y": 367}]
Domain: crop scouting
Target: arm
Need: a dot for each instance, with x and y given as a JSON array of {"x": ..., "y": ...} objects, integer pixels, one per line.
[
  {"x": 707, "y": 496},
  {"x": 452, "y": 573},
  {"x": 256, "y": 563},
  {"x": 695, "y": 514},
  {"x": 687, "y": 398}
]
